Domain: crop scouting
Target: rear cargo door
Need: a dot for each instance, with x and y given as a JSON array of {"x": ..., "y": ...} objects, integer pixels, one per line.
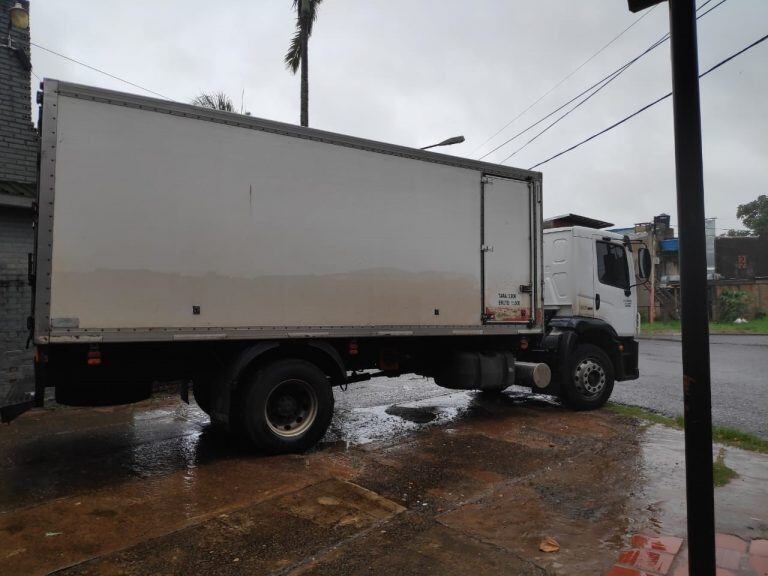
[{"x": 507, "y": 250}]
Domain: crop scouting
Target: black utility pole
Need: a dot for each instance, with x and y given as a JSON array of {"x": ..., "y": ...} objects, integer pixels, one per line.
[
  {"x": 697, "y": 395},
  {"x": 694, "y": 318}
]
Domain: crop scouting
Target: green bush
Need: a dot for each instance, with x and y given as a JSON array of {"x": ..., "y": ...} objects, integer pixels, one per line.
[{"x": 733, "y": 304}]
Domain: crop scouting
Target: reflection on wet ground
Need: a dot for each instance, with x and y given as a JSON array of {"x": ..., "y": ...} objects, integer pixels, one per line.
[
  {"x": 410, "y": 478},
  {"x": 741, "y": 506}
]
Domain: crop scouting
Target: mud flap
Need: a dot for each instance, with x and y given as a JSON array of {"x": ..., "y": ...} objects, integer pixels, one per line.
[{"x": 12, "y": 411}]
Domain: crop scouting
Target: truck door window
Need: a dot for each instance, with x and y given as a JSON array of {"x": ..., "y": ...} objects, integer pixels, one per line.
[{"x": 612, "y": 269}]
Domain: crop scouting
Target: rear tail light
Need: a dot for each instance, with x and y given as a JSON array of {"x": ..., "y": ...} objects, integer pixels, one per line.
[{"x": 94, "y": 358}]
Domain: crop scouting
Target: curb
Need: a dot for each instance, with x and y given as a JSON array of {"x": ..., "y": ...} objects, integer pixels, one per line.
[{"x": 675, "y": 336}]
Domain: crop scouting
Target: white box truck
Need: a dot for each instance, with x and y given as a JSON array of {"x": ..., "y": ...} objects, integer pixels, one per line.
[{"x": 266, "y": 263}]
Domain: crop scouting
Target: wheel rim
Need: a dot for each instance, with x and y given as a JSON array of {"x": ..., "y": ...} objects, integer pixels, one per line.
[
  {"x": 589, "y": 378},
  {"x": 291, "y": 408}
]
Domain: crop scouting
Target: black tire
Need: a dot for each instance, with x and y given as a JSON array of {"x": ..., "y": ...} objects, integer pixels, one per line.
[
  {"x": 287, "y": 407},
  {"x": 588, "y": 379},
  {"x": 201, "y": 390}
]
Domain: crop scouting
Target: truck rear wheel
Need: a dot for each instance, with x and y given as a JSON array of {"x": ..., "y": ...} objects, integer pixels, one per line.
[
  {"x": 588, "y": 380},
  {"x": 287, "y": 406}
]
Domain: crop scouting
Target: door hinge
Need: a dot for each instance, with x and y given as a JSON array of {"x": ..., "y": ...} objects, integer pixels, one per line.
[
  {"x": 486, "y": 248},
  {"x": 526, "y": 288},
  {"x": 486, "y": 180}
]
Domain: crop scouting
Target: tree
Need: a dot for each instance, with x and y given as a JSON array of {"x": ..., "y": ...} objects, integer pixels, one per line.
[
  {"x": 298, "y": 51},
  {"x": 217, "y": 101},
  {"x": 737, "y": 233},
  {"x": 754, "y": 215}
]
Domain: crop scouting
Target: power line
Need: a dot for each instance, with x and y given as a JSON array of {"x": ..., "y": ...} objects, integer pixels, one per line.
[
  {"x": 579, "y": 95},
  {"x": 649, "y": 105},
  {"x": 100, "y": 71},
  {"x": 585, "y": 100},
  {"x": 598, "y": 84},
  {"x": 567, "y": 77}
]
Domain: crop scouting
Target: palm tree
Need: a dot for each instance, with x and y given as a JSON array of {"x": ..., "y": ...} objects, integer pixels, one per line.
[
  {"x": 217, "y": 101},
  {"x": 298, "y": 52}
]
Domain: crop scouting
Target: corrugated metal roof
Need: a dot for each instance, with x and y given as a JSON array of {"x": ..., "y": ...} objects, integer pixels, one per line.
[{"x": 20, "y": 189}]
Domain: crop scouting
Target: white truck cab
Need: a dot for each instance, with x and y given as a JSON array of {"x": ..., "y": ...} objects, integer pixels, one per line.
[
  {"x": 602, "y": 290},
  {"x": 590, "y": 307}
]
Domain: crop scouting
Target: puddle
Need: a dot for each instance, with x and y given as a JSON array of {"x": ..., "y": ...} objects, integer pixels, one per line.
[
  {"x": 415, "y": 415},
  {"x": 741, "y": 507}
]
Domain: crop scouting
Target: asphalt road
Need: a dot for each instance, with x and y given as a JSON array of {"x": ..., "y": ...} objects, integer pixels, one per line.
[{"x": 739, "y": 381}]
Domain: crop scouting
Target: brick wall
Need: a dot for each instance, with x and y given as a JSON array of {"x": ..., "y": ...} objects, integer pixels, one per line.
[
  {"x": 18, "y": 138},
  {"x": 18, "y": 160},
  {"x": 756, "y": 288},
  {"x": 742, "y": 257},
  {"x": 16, "y": 241}
]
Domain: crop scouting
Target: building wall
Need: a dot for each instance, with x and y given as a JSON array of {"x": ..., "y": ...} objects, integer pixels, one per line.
[
  {"x": 18, "y": 165},
  {"x": 757, "y": 290},
  {"x": 18, "y": 138},
  {"x": 666, "y": 300},
  {"x": 742, "y": 257},
  {"x": 16, "y": 241}
]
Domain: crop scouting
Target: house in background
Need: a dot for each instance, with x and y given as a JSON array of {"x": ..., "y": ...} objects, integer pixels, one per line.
[
  {"x": 18, "y": 177},
  {"x": 658, "y": 297},
  {"x": 742, "y": 264}
]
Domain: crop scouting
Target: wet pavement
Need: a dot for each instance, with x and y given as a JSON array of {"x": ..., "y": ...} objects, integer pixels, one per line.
[
  {"x": 739, "y": 365},
  {"x": 411, "y": 478}
]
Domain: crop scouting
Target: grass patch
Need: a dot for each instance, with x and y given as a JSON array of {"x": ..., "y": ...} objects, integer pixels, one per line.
[
  {"x": 720, "y": 434},
  {"x": 739, "y": 439},
  {"x": 643, "y": 414},
  {"x": 722, "y": 473},
  {"x": 657, "y": 327},
  {"x": 753, "y": 326}
]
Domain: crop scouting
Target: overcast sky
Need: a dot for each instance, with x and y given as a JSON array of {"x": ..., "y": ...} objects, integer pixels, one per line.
[{"x": 415, "y": 72}]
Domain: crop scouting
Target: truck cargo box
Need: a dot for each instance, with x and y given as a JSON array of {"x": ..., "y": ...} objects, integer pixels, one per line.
[{"x": 165, "y": 221}]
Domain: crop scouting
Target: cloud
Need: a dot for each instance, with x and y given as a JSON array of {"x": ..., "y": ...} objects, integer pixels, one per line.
[{"x": 415, "y": 73}]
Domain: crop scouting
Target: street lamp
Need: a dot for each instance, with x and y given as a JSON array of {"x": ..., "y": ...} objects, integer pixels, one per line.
[
  {"x": 448, "y": 142},
  {"x": 19, "y": 16}
]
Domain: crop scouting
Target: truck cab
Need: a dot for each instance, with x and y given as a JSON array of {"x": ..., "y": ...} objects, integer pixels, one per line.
[{"x": 590, "y": 303}]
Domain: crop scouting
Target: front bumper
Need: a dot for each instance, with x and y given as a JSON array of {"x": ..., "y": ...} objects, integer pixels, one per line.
[{"x": 629, "y": 354}]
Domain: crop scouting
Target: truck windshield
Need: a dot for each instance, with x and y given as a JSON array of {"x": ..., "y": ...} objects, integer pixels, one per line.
[{"x": 612, "y": 267}]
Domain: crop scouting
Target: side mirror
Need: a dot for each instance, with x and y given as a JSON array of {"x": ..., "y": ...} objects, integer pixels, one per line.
[{"x": 644, "y": 263}]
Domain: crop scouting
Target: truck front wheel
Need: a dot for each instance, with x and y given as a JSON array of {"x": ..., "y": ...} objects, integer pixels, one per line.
[
  {"x": 287, "y": 406},
  {"x": 588, "y": 379}
]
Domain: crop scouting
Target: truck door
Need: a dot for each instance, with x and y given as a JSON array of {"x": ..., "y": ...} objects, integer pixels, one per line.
[
  {"x": 507, "y": 250},
  {"x": 613, "y": 298}
]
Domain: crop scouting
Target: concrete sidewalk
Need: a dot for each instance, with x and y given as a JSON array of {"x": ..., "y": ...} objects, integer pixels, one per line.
[{"x": 455, "y": 484}]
